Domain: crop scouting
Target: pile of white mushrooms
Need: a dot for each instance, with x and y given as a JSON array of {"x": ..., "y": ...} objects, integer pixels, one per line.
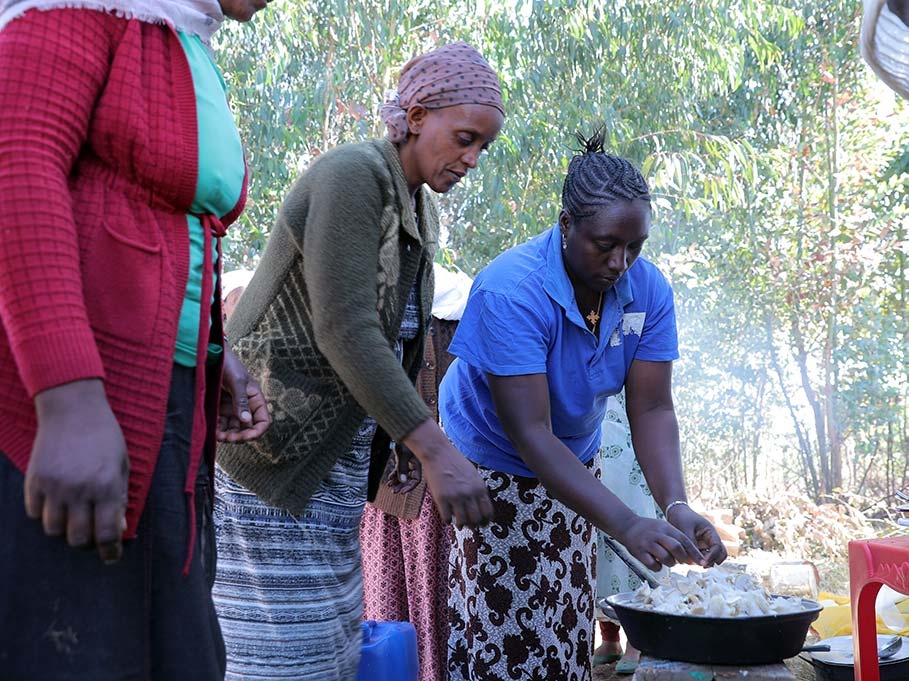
[{"x": 715, "y": 592}]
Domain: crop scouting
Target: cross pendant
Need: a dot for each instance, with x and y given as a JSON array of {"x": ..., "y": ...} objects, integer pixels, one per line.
[{"x": 593, "y": 317}]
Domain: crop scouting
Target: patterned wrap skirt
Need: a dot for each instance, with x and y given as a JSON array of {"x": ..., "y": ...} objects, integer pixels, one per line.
[
  {"x": 522, "y": 589},
  {"x": 405, "y": 578},
  {"x": 289, "y": 591}
]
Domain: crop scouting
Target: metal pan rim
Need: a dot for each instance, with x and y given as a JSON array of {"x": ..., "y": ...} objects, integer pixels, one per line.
[{"x": 809, "y": 607}]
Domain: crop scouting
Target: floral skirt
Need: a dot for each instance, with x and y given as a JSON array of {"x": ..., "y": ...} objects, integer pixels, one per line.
[
  {"x": 405, "y": 577},
  {"x": 522, "y": 589},
  {"x": 622, "y": 475}
]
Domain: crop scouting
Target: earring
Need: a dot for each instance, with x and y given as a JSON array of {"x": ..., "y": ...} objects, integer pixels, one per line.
[{"x": 564, "y": 242}]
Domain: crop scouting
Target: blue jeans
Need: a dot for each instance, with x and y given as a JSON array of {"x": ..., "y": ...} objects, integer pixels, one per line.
[{"x": 65, "y": 616}]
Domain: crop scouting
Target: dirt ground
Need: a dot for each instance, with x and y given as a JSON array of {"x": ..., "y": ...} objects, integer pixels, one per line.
[
  {"x": 801, "y": 669},
  {"x": 606, "y": 672}
]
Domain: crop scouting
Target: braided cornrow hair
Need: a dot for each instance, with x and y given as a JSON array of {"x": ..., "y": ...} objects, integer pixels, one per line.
[{"x": 596, "y": 178}]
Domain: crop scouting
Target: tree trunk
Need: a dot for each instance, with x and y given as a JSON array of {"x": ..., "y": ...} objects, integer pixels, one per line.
[
  {"x": 831, "y": 373},
  {"x": 811, "y": 477},
  {"x": 820, "y": 430}
]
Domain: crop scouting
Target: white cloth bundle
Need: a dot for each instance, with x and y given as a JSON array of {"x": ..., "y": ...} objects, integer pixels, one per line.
[{"x": 885, "y": 45}]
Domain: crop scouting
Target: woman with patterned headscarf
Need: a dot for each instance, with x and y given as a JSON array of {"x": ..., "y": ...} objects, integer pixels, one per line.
[{"x": 334, "y": 322}]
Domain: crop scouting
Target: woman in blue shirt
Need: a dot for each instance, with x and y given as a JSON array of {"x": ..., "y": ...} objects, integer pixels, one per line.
[{"x": 552, "y": 328}]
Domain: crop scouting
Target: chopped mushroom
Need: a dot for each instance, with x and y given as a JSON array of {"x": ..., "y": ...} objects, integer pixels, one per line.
[{"x": 715, "y": 592}]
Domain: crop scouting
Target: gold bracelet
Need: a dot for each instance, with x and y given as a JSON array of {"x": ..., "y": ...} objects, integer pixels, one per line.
[{"x": 677, "y": 502}]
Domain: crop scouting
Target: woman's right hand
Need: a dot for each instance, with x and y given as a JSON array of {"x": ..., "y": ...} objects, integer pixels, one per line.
[
  {"x": 77, "y": 477},
  {"x": 656, "y": 543},
  {"x": 459, "y": 492}
]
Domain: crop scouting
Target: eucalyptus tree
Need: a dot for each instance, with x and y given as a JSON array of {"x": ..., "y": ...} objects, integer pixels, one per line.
[
  {"x": 313, "y": 75},
  {"x": 820, "y": 255},
  {"x": 786, "y": 248}
]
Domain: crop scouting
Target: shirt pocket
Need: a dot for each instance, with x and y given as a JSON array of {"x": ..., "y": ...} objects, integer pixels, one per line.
[{"x": 121, "y": 279}]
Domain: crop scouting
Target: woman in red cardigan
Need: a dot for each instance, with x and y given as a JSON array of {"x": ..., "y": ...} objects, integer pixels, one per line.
[{"x": 120, "y": 166}]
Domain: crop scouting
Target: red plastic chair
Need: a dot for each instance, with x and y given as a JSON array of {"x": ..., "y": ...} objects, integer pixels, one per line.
[{"x": 873, "y": 562}]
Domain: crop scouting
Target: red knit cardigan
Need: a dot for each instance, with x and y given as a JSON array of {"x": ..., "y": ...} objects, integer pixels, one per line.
[{"x": 98, "y": 168}]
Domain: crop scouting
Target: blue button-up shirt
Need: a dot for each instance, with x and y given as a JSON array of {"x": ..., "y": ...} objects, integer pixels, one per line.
[{"x": 521, "y": 318}]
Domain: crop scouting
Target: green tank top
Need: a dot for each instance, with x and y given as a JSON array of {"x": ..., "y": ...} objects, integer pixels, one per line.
[{"x": 221, "y": 172}]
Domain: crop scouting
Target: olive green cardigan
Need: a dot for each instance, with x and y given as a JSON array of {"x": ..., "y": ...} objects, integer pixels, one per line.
[{"x": 317, "y": 323}]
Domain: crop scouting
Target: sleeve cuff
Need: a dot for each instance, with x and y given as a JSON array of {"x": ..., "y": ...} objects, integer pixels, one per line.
[{"x": 48, "y": 361}]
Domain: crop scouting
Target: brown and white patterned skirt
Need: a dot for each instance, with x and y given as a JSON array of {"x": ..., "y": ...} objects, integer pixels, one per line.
[{"x": 522, "y": 589}]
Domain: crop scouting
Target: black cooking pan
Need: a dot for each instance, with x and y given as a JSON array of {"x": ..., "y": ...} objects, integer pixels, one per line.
[{"x": 764, "y": 639}]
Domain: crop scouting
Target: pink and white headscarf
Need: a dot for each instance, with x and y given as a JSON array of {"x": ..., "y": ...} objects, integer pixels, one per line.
[{"x": 450, "y": 75}]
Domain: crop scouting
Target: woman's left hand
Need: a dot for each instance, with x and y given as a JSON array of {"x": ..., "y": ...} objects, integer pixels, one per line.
[
  {"x": 407, "y": 472},
  {"x": 701, "y": 532},
  {"x": 243, "y": 413}
]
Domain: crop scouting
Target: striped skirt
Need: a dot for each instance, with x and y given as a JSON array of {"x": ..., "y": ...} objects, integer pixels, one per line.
[
  {"x": 289, "y": 590},
  {"x": 522, "y": 589}
]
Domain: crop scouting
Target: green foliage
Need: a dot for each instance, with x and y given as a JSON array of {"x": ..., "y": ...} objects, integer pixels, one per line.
[
  {"x": 777, "y": 165},
  {"x": 898, "y": 167}
]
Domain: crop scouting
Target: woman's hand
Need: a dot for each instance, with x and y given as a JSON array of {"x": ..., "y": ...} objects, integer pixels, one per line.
[
  {"x": 656, "y": 543},
  {"x": 407, "y": 472},
  {"x": 243, "y": 412},
  {"x": 458, "y": 490},
  {"x": 77, "y": 477},
  {"x": 655, "y": 434},
  {"x": 699, "y": 529}
]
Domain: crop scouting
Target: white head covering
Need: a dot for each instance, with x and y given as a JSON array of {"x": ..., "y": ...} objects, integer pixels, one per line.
[
  {"x": 452, "y": 289},
  {"x": 235, "y": 279},
  {"x": 885, "y": 45},
  {"x": 199, "y": 17}
]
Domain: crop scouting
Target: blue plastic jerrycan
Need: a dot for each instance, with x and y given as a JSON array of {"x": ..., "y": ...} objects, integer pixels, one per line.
[{"x": 389, "y": 652}]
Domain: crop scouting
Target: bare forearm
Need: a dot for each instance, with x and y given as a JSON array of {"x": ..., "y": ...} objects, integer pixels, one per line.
[
  {"x": 458, "y": 490},
  {"x": 428, "y": 443}
]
